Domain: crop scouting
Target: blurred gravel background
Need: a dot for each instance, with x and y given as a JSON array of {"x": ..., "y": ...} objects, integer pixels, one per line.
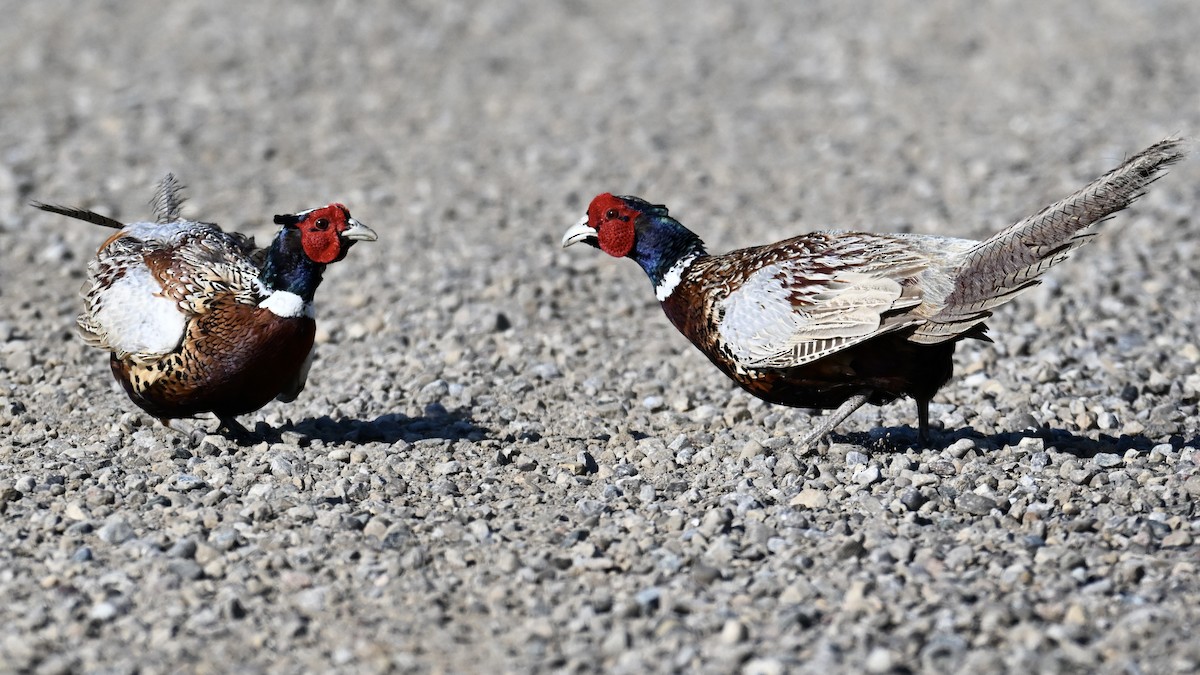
[{"x": 506, "y": 460}]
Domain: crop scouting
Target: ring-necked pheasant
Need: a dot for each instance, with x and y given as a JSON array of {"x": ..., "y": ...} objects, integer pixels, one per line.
[
  {"x": 199, "y": 320},
  {"x": 834, "y": 320}
]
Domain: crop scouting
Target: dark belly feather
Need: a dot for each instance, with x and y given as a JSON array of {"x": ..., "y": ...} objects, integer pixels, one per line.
[{"x": 232, "y": 361}]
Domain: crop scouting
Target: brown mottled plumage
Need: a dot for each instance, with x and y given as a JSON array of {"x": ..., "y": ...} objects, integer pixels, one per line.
[
  {"x": 838, "y": 319},
  {"x": 199, "y": 320}
]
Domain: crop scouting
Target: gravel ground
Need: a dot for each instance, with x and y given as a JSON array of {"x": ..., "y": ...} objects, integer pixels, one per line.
[{"x": 506, "y": 460}]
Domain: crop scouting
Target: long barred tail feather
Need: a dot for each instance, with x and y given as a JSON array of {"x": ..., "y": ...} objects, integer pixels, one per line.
[
  {"x": 80, "y": 214},
  {"x": 994, "y": 271}
]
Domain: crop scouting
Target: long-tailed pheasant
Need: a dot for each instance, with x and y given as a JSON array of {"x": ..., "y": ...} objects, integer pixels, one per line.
[
  {"x": 834, "y": 320},
  {"x": 199, "y": 320}
]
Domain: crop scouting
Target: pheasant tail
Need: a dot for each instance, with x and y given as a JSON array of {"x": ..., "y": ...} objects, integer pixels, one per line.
[
  {"x": 994, "y": 271},
  {"x": 79, "y": 214},
  {"x": 168, "y": 199}
]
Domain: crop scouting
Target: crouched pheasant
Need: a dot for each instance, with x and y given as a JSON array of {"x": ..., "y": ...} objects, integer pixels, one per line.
[
  {"x": 834, "y": 320},
  {"x": 199, "y": 320}
]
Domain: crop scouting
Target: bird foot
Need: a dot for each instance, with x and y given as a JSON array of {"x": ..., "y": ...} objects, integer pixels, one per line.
[
  {"x": 194, "y": 434},
  {"x": 826, "y": 426},
  {"x": 233, "y": 430},
  {"x": 924, "y": 440}
]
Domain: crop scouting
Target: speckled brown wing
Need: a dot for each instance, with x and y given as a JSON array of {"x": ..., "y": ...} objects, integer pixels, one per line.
[
  {"x": 798, "y": 301},
  {"x": 150, "y": 279}
]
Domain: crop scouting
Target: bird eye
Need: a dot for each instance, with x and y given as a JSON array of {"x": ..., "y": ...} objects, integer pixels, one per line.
[
  {"x": 322, "y": 224},
  {"x": 610, "y": 214}
]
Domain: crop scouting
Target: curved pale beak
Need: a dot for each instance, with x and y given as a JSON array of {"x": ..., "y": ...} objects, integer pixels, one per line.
[
  {"x": 579, "y": 232},
  {"x": 358, "y": 232}
]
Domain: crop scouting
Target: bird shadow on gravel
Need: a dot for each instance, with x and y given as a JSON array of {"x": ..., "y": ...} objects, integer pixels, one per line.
[
  {"x": 900, "y": 439},
  {"x": 437, "y": 422}
]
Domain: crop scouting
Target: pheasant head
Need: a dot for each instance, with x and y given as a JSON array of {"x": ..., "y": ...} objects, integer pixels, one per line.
[
  {"x": 326, "y": 233},
  {"x": 307, "y": 242},
  {"x": 630, "y": 227}
]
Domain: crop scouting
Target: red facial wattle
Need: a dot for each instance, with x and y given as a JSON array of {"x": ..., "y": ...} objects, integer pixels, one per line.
[
  {"x": 320, "y": 233},
  {"x": 614, "y": 223}
]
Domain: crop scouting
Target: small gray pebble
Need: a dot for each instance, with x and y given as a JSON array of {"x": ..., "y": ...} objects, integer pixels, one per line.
[
  {"x": 976, "y": 504},
  {"x": 867, "y": 476},
  {"x": 854, "y": 458},
  {"x": 186, "y": 482},
  {"x": 102, "y": 611},
  {"x": 750, "y": 450},
  {"x": 648, "y": 599},
  {"x": 186, "y": 569},
  {"x": 943, "y": 467},
  {"x": 434, "y": 391},
  {"x": 184, "y": 548},
  {"x": 588, "y": 462},
  {"x": 647, "y": 493},
  {"x": 480, "y": 530},
  {"x": 1022, "y": 422},
  {"x": 504, "y": 456},
  {"x": 1039, "y": 461},
  {"x": 733, "y": 632},
  {"x": 705, "y": 574},
  {"x": 116, "y": 531},
  {"x": 546, "y": 371},
  {"x": 625, "y": 470},
  {"x": 961, "y": 447},
  {"x": 449, "y": 468},
  {"x": 592, "y": 507},
  {"x": 764, "y": 666},
  {"x": 444, "y": 487},
  {"x": 912, "y": 499},
  {"x": 224, "y": 539}
]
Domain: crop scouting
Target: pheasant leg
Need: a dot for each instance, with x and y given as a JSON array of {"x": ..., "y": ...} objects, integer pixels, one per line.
[{"x": 830, "y": 421}]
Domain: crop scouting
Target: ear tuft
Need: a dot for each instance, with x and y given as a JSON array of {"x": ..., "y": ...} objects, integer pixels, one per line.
[{"x": 287, "y": 219}]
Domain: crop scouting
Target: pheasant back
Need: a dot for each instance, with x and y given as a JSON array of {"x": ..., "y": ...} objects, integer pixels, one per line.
[{"x": 150, "y": 279}]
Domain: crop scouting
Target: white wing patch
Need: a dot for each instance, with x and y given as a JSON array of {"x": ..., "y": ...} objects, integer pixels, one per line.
[
  {"x": 287, "y": 305},
  {"x": 136, "y": 318},
  {"x": 769, "y": 322}
]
